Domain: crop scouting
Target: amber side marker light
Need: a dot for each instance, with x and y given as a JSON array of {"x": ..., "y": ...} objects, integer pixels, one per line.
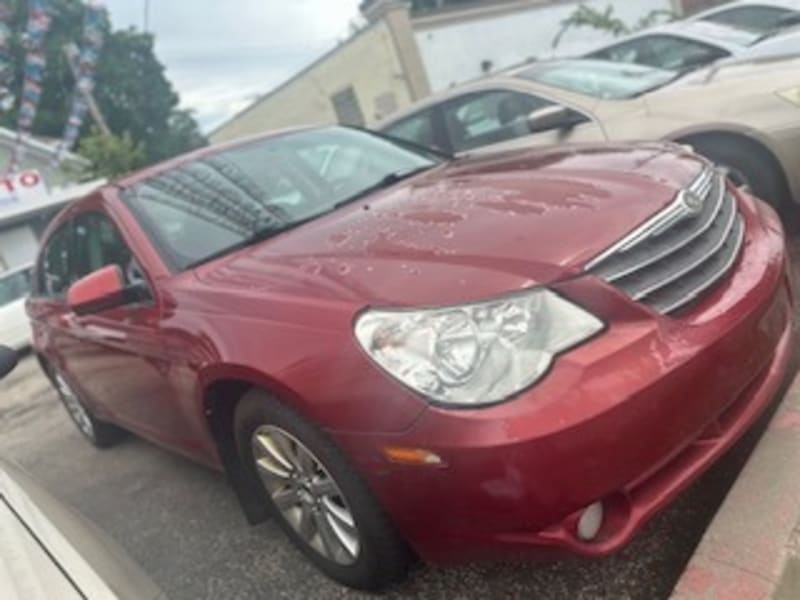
[{"x": 412, "y": 456}]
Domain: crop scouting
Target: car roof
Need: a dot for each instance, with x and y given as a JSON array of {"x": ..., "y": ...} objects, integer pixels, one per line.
[
  {"x": 503, "y": 79},
  {"x": 509, "y": 78},
  {"x": 789, "y": 4},
  {"x": 730, "y": 38}
]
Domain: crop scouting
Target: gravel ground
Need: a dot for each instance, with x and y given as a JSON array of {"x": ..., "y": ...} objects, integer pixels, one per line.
[{"x": 181, "y": 522}]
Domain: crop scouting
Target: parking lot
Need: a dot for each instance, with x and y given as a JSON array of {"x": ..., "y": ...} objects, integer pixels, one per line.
[{"x": 182, "y": 523}]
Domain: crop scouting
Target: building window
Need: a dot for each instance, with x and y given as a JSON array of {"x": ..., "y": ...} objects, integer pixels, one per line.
[{"x": 348, "y": 111}]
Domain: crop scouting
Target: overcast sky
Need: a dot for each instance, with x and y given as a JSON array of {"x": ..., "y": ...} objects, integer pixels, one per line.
[{"x": 221, "y": 54}]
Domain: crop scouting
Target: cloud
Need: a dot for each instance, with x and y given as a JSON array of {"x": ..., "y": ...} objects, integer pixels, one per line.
[{"x": 220, "y": 55}]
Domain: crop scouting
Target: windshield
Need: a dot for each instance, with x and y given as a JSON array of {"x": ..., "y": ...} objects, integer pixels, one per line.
[
  {"x": 223, "y": 201},
  {"x": 789, "y": 32},
  {"x": 755, "y": 19},
  {"x": 600, "y": 79},
  {"x": 15, "y": 286}
]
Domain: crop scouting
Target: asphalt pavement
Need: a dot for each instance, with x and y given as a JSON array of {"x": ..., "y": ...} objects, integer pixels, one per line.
[{"x": 182, "y": 523}]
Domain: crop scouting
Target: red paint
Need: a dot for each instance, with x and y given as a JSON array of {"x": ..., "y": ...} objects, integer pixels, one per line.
[
  {"x": 27, "y": 179},
  {"x": 617, "y": 419},
  {"x": 98, "y": 285}
]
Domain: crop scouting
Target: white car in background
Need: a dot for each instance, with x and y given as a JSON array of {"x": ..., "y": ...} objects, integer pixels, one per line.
[
  {"x": 15, "y": 328},
  {"x": 718, "y": 35},
  {"x": 48, "y": 552},
  {"x": 759, "y": 17}
]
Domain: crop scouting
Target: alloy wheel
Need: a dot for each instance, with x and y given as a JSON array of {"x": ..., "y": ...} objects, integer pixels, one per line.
[
  {"x": 305, "y": 493},
  {"x": 74, "y": 406}
]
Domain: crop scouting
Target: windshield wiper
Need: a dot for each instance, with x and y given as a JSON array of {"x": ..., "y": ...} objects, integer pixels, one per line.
[
  {"x": 388, "y": 181},
  {"x": 266, "y": 233}
]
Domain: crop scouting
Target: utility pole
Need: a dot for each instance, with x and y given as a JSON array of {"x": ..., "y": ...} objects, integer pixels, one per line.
[
  {"x": 72, "y": 53},
  {"x": 146, "y": 15}
]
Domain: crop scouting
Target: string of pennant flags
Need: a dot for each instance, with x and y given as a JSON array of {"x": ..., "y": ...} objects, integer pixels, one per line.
[
  {"x": 39, "y": 21},
  {"x": 35, "y": 61},
  {"x": 6, "y": 71},
  {"x": 87, "y": 63}
]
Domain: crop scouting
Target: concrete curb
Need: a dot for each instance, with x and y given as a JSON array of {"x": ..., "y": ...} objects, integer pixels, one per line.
[{"x": 751, "y": 550}]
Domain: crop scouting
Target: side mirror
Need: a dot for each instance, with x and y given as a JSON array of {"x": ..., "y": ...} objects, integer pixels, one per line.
[
  {"x": 554, "y": 117},
  {"x": 8, "y": 360},
  {"x": 102, "y": 290}
]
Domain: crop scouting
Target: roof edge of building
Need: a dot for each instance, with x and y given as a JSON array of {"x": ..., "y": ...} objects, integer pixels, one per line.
[
  {"x": 454, "y": 14},
  {"x": 40, "y": 147}
]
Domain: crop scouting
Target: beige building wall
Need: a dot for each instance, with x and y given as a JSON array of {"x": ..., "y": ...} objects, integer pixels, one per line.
[{"x": 369, "y": 63}]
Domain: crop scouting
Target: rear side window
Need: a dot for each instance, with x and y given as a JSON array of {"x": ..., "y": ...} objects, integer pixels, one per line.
[
  {"x": 758, "y": 19},
  {"x": 491, "y": 117},
  {"x": 663, "y": 52},
  {"x": 97, "y": 244},
  {"x": 54, "y": 272},
  {"x": 418, "y": 129}
]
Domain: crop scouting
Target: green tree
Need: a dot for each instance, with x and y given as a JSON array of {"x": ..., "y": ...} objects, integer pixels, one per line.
[
  {"x": 131, "y": 88},
  {"x": 110, "y": 156}
]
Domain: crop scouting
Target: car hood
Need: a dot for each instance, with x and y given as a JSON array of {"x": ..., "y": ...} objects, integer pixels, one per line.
[
  {"x": 731, "y": 88},
  {"x": 470, "y": 229}
]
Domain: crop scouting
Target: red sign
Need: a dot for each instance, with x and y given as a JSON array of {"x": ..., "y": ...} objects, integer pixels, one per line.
[
  {"x": 26, "y": 179},
  {"x": 26, "y": 187}
]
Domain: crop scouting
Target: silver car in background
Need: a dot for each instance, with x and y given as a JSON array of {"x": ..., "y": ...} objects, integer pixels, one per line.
[
  {"x": 759, "y": 16},
  {"x": 48, "y": 552},
  {"x": 728, "y": 33}
]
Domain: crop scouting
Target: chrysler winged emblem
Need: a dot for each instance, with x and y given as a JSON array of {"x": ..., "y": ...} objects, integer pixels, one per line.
[{"x": 692, "y": 203}]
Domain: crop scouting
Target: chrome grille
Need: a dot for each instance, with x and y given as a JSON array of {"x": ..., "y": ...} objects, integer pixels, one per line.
[{"x": 673, "y": 258}]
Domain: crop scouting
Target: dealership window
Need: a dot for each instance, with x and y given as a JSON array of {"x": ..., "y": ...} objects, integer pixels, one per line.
[
  {"x": 348, "y": 110},
  {"x": 15, "y": 286}
]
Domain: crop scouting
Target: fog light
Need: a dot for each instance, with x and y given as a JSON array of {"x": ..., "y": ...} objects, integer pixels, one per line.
[{"x": 590, "y": 522}]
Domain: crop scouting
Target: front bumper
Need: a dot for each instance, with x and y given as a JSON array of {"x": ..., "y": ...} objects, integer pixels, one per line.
[{"x": 629, "y": 419}]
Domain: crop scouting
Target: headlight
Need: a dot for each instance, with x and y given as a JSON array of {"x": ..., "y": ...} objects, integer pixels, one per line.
[
  {"x": 791, "y": 95},
  {"x": 479, "y": 353}
]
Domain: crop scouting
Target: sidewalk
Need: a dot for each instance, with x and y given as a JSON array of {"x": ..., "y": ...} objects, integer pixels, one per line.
[{"x": 751, "y": 550}]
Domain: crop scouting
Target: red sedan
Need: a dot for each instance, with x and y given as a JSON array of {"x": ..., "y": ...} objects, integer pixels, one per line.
[{"x": 395, "y": 353}]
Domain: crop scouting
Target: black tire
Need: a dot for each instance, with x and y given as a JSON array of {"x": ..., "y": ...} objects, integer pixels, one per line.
[
  {"x": 99, "y": 433},
  {"x": 745, "y": 160},
  {"x": 383, "y": 556}
]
